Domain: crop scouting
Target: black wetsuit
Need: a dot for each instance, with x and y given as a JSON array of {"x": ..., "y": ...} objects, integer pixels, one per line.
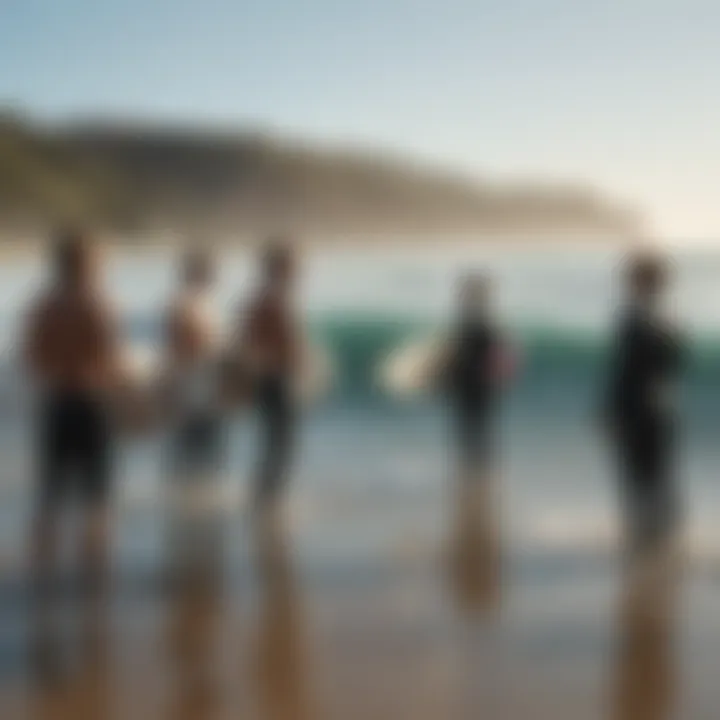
[
  {"x": 75, "y": 448},
  {"x": 472, "y": 391},
  {"x": 277, "y": 417},
  {"x": 641, "y": 411}
]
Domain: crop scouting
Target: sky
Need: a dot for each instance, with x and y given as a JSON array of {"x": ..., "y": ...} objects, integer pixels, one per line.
[{"x": 618, "y": 94}]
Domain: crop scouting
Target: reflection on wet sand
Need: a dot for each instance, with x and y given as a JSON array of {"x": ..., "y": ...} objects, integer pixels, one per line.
[
  {"x": 70, "y": 657},
  {"x": 644, "y": 687},
  {"x": 383, "y": 646},
  {"x": 475, "y": 566},
  {"x": 280, "y": 658},
  {"x": 195, "y": 555},
  {"x": 195, "y": 531},
  {"x": 192, "y": 633}
]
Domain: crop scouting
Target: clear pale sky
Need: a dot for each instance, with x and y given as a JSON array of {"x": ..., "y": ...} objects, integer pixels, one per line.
[{"x": 618, "y": 93}]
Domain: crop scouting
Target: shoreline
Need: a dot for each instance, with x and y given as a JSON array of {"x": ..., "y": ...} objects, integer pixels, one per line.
[
  {"x": 24, "y": 245},
  {"x": 371, "y": 242}
]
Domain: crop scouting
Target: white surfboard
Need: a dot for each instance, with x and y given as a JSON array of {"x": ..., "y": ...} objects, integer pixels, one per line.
[
  {"x": 413, "y": 368},
  {"x": 141, "y": 363}
]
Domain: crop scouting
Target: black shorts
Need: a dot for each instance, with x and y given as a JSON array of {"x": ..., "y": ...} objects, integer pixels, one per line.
[
  {"x": 278, "y": 424},
  {"x": 198, "y": 445},
  {"x": 474, "y": 430},
  {"x": 646, "y": 458},
  {"x": 74, "y": 453}
]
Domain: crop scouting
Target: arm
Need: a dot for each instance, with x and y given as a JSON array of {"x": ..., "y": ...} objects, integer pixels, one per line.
[
  {"x": 108, "y": 346},
  {"x": 34, "y": 351},
  {"x": 171, "y": 349},
  {"x": 506, "y": 359},
  {"x": 248, "y": 330},
  {"x": 173, "y": 337},
  {"x": 613, "y": 388},
  {"x": 671, "y": 358},
  {"x": 676, "y": 345},
  {"x": 299, "y": 346}
]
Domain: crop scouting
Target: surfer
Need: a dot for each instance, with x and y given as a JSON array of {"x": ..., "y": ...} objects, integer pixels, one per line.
[
  {"x": 191, "y": 332},
  {"x": 476, "y": 365},
  {"x": 640, "y": 405},
  {"x": 71, "y": 351},
  {"x": 195, "y": 532},
  {"x": 271, "y": 344}
]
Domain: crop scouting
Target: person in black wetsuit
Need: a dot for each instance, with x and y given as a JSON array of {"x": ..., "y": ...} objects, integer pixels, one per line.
[
  {"x": 640, "y": 407},
  {"x": 473, "y": 375}
]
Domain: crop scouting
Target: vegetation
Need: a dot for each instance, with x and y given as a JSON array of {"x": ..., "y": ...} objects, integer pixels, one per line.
[{"x": 143, "y": 178}]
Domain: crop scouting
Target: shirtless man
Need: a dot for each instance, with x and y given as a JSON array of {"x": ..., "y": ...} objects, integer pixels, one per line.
[
  {"x": 191, "y": 358},
  {"x": 271, "y": 342},
  {"x": 72, "y": 353}
]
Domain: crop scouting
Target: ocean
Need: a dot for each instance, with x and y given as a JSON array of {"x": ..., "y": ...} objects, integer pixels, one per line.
[
  {"x": 385, "y": 597},
  {"x": 371, "y": 466}
]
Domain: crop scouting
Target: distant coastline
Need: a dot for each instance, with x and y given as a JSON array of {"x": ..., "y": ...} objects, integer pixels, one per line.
[{"x": 138, "y": 181}]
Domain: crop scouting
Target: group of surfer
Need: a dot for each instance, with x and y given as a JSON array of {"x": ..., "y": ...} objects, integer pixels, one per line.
[{"x": 74, "y": 353}]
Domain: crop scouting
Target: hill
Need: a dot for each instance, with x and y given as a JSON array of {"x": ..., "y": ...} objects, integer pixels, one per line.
[{"x": 136, "y": 177}]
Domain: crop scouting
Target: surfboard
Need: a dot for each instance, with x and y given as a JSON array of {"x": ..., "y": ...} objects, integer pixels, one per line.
[
  {"x": 141, "y": 363},
  {"x": 414, "y": 367}
]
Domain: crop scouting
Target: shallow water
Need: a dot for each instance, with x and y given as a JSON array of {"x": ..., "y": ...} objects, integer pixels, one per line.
[
  {"x": 377, "y": 604},
  {"x": 361, "y": 448}
]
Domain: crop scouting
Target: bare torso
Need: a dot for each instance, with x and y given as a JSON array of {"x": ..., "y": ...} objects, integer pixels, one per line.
[
  {"x": 191, "y": 350},
  {"x": 72, "y": 342},
  {"x": 191, "y": 330},
  {"x": 271, "y": 334}
]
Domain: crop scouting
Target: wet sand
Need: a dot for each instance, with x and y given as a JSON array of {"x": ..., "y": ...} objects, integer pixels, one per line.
[{"x": 463, "y": 628}]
